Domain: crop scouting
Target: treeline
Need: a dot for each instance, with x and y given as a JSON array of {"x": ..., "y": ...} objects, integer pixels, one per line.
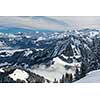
[{"x": 66, "y": 78}]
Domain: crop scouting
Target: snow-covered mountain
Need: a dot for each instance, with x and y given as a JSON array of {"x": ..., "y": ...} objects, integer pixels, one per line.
[{"x": 57, "y": 56}]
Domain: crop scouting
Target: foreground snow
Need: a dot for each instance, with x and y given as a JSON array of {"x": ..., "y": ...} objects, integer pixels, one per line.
[{"x": 92, "y": 77}]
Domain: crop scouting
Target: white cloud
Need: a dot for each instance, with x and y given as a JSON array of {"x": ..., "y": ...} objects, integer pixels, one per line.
[{"x": 80, "y": 21}]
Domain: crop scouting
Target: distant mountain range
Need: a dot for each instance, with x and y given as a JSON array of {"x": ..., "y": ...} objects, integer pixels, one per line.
[
  {"x": 16, "y": 30},
  {"x": 64, "y": 57}
]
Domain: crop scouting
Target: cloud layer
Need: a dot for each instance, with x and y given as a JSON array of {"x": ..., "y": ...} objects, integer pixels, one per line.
[{"x": 50, "y": 22}]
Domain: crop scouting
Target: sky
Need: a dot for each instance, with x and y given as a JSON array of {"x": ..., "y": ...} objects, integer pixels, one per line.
[{"x": 59, "y": 23}]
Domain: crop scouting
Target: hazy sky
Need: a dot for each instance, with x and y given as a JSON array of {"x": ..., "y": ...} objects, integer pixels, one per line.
[{"x": 50, "y": 22}]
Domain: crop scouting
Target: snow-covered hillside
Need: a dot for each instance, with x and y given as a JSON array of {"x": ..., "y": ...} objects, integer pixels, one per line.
[{"x": 91, "y": 77}]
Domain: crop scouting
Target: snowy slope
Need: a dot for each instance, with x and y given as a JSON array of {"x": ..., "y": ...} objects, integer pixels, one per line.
[
  {"x": 18, "y": 74},
  {"x": 92, "y": 77},
  {"x": 56, "y": 70}
]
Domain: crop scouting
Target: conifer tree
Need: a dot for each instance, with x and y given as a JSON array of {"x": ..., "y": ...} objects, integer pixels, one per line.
[{"x": 70, "y": 78}]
